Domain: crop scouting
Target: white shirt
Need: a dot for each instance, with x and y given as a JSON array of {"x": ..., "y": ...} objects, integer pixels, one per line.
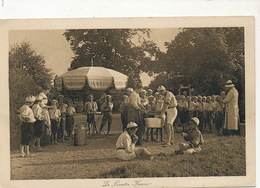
[
  {"x": 125, "y": 141},
  {"x": 135, "y": 100},
  {"x": 37, "y": 112},
  {"x": 54, "y": 113},
  {"x": 26, "y": 114},
  {"x": 170, "y": 99}
]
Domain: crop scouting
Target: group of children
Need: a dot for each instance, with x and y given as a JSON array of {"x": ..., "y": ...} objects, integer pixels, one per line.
[
  {"x": 39, "y": 120},
  {"x": 209, "y": 110}
]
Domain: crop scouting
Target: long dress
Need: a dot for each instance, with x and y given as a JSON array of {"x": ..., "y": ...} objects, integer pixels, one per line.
[{"x": 231, "y": 114}]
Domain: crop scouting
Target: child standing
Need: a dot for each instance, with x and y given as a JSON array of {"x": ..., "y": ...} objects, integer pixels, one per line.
[
  {"x": 219, "y": 115},
  {"x": 158, "y": 109},
  {"x": 55, "y": 116},
  {"x": 201, "y": 113},
  {"x": 209, "y": 111},
  {"x": 123, "y": 109},
  {"x": 106, "y": 110},
  {"x": 150, "y": 114},
  {"x": 70, "y": 113},
  {"x": 39, "y": 123},
  {"x": 91, "y": 108},
  {"x": 63, "y": 109},
  {"x": 27, "y": 128}
]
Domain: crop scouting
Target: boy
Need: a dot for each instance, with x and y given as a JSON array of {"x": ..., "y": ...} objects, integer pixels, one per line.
[
  {"x": 55, "y": 116},
  {"x": 63, "y": 109},
  {"x": 123, "y": 109},
  {"x": 27, "y": 128},
  {"x": 157, "y": 109},
  {"x": 201, "y": 113},
  {"x": 193, "y": 137},
  {"x": 150, "y": 114},
  {"x": 39, "y": 123},
  {"x": 91, "y": 108},
  {"x": 106, "y": 110},
  {"x": 219, "y": 115},
  {"x": 70, "y": 113},
  {"x": 209, "y": 111}
]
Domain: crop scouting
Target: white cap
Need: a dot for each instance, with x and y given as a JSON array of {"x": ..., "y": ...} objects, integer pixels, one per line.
[
  {"x": 161, "y": 88},
  {"x": 131, "y": 125},
  {"x": 130, "y": 89},
  {"x": 143, "y": 91},
  {"x": 150, "y": 90},
  {"x": 195, "y": 120},
  {"x": 229, "y": 84},
  {"x": 30, "y": 99},
  {"x": 39, "y": 98}
]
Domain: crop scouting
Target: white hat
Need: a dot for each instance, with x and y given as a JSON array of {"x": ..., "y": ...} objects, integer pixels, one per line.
[
  {"x": 30, "y": 99},
  {"x": 161, "y": 88},
  {"x": 195, "y": 120},
  {"x": 143, "y": 91},
  {"x": 42, "y": 95},
  {"x": 130, "y": 89},
  {"x": 229, "y": 84},
  {"x": 150, "y": 90},
  {"x": 39, "y": 98},
  {"x": 131, "y": 125}
]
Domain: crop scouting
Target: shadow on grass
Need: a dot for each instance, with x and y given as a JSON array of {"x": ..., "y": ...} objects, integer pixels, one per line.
[{"x": 77, "y": 162}]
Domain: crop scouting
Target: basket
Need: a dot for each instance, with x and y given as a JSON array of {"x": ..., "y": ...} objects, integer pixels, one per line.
[{"x": 153, "y": 122}]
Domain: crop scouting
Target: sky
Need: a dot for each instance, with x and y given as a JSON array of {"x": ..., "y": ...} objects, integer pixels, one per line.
[{"x": 58, "y": 54}]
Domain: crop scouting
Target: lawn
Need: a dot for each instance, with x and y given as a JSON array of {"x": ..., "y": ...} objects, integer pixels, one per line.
[{"x": 220, "y": 156}]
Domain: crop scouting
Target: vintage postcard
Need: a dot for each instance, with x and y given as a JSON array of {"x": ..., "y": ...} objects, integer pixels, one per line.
[{"x": 128, "y": 102}]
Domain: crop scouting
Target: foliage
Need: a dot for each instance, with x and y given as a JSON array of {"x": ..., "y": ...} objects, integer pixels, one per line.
[
  {"x": 204, "y": 58},
  {"x": 124, "y": 50},
  {"x": 27, "y": 75},
  {"x": 22, "y": 56}
]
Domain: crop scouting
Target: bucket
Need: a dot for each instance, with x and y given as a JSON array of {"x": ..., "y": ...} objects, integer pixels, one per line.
[
  {"x": 153, "y": 122},
  {"x": 80, "y": 138}
]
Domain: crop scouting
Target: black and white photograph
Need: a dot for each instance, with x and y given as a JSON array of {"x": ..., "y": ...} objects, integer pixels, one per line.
[{"x": 128, "y": 106}]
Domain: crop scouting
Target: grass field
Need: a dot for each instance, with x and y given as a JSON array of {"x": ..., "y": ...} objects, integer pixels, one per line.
[{"x": 220, "y": 156}]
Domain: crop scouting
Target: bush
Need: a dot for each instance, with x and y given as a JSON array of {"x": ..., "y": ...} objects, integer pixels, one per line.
[{"x": 20, "y": 85}]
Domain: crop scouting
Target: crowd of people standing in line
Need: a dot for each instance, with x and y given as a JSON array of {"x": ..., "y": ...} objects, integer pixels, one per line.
[{"x": 57, "y": 120}]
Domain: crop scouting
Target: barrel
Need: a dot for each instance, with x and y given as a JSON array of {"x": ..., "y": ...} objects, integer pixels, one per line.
[{"x": 80, "y": 136}]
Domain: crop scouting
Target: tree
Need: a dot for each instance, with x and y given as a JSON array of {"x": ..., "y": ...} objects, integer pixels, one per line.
[
  {"x": 205, "y": 58},
  {"x": 112, "y": 48},
  {"x": 27, "y": 75},
  {"x": 23, "y": 57}
]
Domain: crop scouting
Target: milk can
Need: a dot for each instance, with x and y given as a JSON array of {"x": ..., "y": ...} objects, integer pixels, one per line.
[{"x": 80, "y": 136}]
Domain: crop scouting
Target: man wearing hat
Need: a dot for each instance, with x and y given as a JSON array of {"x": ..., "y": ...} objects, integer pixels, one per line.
[
  {"x": 169, "y": 106},
  {"x": 193, "y": 137},
  {"x": 27, "y": 128},
  {"x": 125, "y": 145},
  {"x": 231, "y": 114}
]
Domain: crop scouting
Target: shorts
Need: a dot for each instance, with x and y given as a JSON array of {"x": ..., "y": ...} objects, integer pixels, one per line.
[
  {"x": 91, "y": 118},
  {"x": 54, "y": 126},
  {"x": 38, "y": 128},
  {"x": 171, "y": 115},
  {"x": 27, "y": 132}
]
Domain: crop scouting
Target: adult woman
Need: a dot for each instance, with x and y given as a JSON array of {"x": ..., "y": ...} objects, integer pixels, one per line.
[{"x": 135, "y": 112}]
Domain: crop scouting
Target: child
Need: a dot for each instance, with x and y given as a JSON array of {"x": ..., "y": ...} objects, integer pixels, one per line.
[
  {"x": 157, "y": 109},
  {"x": 209, "y": 111},
  {"x": 91, "y": 108},
  {"x": 106, "y": 110},
  {"x": 150, "y": 114},
  {"x": 191, "y": 107},
  {"x": 39, "y": 123},
  {"x": 201, "y": 113},
  {"x": 193, "y": 137},
  {"x": 183, "y": 110},
  {"x": 70, "y": 113},
  {"x": 63, "y": 109},
  {"x": 55, "y": 116},
  {"x": 27, "y": 128},
  {"x": 123, "y": 109},
  {"x": 219, "y": 115}
]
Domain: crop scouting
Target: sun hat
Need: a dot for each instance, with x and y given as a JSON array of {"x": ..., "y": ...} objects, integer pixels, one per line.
[
  {"x": 130, "y": 89},
  {"x": 60, "y": 97},
  {"x": 131, "y": 125},
  {"x": 43, "y": 95},
  {"x": 69, "y": 100},
  {"x": 39, "y": 98},
  {"x": 143, "y": 91},
  {"x": 54, "y": 101},
  {"x": 150, "y": 90},
  {"x": 195, "y": 120},
  {"x": 161, "y": 88},
  {"x": 30, "y": 99},
  {"x": 229, "y": 84},
  {"x": 151, "y": 97}
]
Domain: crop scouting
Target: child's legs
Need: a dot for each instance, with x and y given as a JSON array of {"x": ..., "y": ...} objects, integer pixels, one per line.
[
  {"x": 169, "y": 133},
  {"x": 104, "y": 121},
  {"x": 142, "y": 151},
  {"x": 184, "y": 146},
  {"x": 147, "y": 133},
  {"x": 151, "y": 133},
  {"x": 109, "y": 122}
]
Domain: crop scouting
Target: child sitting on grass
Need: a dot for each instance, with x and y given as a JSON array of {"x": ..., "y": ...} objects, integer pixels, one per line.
[{"x": 193, "y": 137}]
